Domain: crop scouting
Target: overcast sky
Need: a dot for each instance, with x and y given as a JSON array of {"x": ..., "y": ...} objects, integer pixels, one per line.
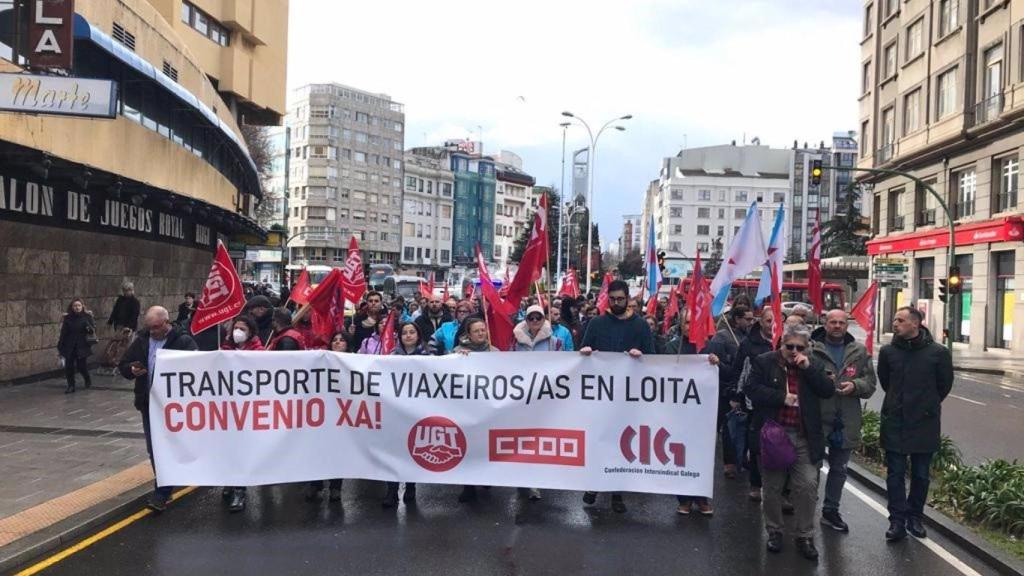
[{"x": 692, "y": 72}]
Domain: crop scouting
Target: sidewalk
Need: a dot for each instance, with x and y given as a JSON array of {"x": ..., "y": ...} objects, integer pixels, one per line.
[
  {"x": 66, "y": 460},
  {"x": 996, "y": 362}
]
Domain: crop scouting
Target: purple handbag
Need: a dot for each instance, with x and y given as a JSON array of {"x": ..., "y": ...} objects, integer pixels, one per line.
[{"x": 777, "y": 451}]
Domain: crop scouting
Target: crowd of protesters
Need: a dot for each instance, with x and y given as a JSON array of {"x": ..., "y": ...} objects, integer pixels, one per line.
[{"x": 789, "y": 400}]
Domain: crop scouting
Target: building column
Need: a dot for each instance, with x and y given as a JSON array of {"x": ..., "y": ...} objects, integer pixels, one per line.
[{"x": 981, "y": 288}]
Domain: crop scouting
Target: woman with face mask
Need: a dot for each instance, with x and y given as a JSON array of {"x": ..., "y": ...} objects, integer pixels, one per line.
[
  {"x": 410, "y": 343},
  {"x": 242, "y": 336},
  {"x": 77, "y": 336}
]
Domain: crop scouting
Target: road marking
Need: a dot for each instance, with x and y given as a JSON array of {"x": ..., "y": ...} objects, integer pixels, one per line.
[
  {"x": 928, "y": 542},
  {"x": 44, "y": 564},
  {"x": 968, "y": 400}
]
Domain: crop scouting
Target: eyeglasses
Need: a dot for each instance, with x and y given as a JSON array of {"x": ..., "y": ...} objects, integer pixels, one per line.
[
  {"x": 534, "y": 318},
  {"x": 796, "y": 347},
  {"x": 618, "y": 298}
]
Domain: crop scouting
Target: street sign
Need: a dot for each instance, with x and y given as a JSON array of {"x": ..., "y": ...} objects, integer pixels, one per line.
[{"x": 899, "y": 285}]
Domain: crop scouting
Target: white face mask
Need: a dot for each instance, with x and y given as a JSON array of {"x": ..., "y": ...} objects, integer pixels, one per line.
[{"x": 239, "y": 336}]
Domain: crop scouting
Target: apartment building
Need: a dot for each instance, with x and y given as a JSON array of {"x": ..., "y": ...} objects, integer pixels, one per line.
[{"x": 429, "y": 206}]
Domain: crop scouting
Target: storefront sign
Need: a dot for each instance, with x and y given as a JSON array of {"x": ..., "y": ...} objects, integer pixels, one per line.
[
  {"x": 27, "y": 200},
  {"x": 58, "y": 95},
  {"x": 1001, "y": 230},
  {"x": 50, "y": 38}
]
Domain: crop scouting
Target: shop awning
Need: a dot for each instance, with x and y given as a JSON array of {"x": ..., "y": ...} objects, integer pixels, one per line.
[{"x": 998, "y": 230}]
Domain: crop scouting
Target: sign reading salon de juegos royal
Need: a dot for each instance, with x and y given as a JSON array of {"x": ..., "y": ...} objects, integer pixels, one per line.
[
  {"x": 1009, "y": 229},
  {"x": 30, "y": 201}
]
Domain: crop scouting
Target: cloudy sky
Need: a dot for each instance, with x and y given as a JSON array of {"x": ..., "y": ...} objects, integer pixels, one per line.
[{"x": 693, "y": 72}]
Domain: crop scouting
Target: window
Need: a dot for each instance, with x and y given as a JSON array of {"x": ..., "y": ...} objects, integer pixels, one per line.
[
  {"x": 741, "y": 196},
  {"x": 675, "y": 212},
  {"x": 948, "y": 16},
  {"x": 779, "y": 197},
  {"x": 703, "y": 230},
  {"x": 912, "y": 112},
  {"x": 409, "y": 253},
  {"x": 993, "y": 72},
  {"x": 497, "y": 250},
  {"x": 410, "y": 182},
  {"x": 721, "y": 195},
  {"x": 896, "y": 222},
  {"x": 186, "y": 13},
  {"x": 864, "y": 125},
  {"x": 332, "y": 214},
  {"x": 446, "y": 189},
  {"x": 915, "y": 39},
  {"x": 946, "y": 104},
  {"x": 889, "y": 61},
  {"x": 704, "y": 195},
  {"x": 446, "y": 233},
  {"x": 703, "y": 212},
  {"x": 888, "y": 129},
  {"x": 1006, "y": 194},
  {"x": 739, "y": 213},
  {"x": 721, "y": 231},
  {"x": 721, "y": 213},
  {"x": 446, "y": 256},
  {"x": 925, "y": 278},
  {"x": 204, "y": 24},
  {"x": 865, "y": 77},
  {"x": 966, "y": 183},
  {"x": 869, "y": 24},
  {"x": 677, "y": 194},
  {"x": 446, "y": 211},
  {"x": 890, "y": 7}
]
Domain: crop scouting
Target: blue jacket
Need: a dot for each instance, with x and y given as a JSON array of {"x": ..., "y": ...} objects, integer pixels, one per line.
[
  {"x": 563, "y": 334},
  {"x": 443, "y": 340}
]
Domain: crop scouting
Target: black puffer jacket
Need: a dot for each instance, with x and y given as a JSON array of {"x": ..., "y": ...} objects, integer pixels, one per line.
[
  {"x": 74, "y": 332},
  {"x": 139, "y": 352},
  {"x": 755, "y": 345},
  {"x": 916, "y": 375},
  {"x": 125, "y": 312},
  {"x": 767, "y": 390}
]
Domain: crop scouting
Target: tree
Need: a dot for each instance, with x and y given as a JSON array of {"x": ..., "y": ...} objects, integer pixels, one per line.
[
  {"x": 632, "y": 264},
  {"x": 714, "y": 261},
  {"x": 846, "y": 234},
  {"x": 261, "y": 152}
]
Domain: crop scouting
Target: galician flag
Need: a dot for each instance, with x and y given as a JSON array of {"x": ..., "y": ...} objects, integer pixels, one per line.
[
  {"x": 653, "y": 272},
  {"x": 776, "y": 252},
  {"x": 745, "y": 254}
]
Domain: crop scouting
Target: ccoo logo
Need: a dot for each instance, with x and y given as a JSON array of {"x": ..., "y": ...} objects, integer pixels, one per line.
[
  {"x": 437, "y": 444},
  {"x": 662, "y": 447}
]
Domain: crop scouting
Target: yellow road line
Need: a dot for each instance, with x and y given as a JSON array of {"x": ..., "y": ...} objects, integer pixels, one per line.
[{"x": 44, "y": 564}]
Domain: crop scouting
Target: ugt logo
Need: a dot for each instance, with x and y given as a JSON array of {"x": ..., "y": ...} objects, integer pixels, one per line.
[
  {"x": 662, "y": 447},
  {"x": 437, "y": 444}
]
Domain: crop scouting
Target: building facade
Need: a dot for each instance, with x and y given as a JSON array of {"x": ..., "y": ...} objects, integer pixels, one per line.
[
  {"x": 630, "y": 240},
  {"x": 143, "y": 180},
  {"x": 427, "y": 216},
  {"x": 345, "y": 175},
  {"x": 939, "y": 83},
  {"x": 475, "y": 184},
  {"x": 514, "y": 205},
  {"x": 809, "y": 202}
]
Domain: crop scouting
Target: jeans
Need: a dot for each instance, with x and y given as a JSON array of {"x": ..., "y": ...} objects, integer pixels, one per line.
[
  {"x": 72, "y": 364},
  {"x": 803, "y": 481},
  {"x": 838, "y": 458},
  {"x": 164, "y": 491},
  {"x": 901, "y": 506},
  {"x": 737, "y": 424}
]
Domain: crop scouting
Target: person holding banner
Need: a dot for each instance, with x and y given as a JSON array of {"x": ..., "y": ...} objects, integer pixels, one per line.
[
  {"x": 364, "y": 323},
  {"x": 476, "y": 339},
  {"x": 786, "y": 387},
  {"x": 559, "y": 330},
  {"x": 619, "y": 330},
  {"x": 410, "y": 343},
  {"x": 139, "y": 363},
  {"x": 443, "y": 340},
  {"x": 374, "y": 343},
  {"x": 339, "y": 342}
]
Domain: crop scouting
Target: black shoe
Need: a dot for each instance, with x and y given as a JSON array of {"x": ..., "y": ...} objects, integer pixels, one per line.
[
  {"x": 468, "y": 494},
  {"x": 775, "y": 542},
  {"x": 787, "y": 507},
  {"x": 589, "y": 498},
  {"x": 410, "y": 494},
  {"x": 832, "y": 519},
  {"x": 897, "y": 531},
  {"x": 70, "y": 389},
  {"x": 335, "y": 495},
  {"x": 225, "y": 492},
  {"x": 312, "y": 493},
  {"x": 390, "y": 498},
  {"x": 805, "y": 546},
  {"x": 88, "y": 383},
  {"x": 237, "y": 503},
  {"x": 916, "y": 527},
  {"x": 618, "y": 506},
  {"x": 157, "y": 502}
]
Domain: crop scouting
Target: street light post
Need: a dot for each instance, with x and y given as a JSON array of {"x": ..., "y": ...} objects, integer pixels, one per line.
[
  {"x": 591, "y": 155},
  {"x": 561, "y": 204}
]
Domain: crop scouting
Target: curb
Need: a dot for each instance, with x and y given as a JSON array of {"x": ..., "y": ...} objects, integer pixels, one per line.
[
  {"x": 24, "y": 550},
  {"x": 990, "y": 371},
  {"x": 951, "y": 529}
]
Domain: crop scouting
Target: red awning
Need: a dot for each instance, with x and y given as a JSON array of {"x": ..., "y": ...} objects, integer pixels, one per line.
[{"x": 999, "y": 230}]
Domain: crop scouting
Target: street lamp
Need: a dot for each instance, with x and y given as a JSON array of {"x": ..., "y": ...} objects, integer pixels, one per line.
[
  {"x": 561, "y": 204},
  {"x": 590, "y": 181}
]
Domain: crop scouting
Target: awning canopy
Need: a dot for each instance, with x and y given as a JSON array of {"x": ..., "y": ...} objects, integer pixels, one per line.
[{"x": 998, "y": 230}]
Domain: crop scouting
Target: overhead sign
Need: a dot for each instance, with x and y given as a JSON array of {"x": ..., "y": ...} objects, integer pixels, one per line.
[
  {"x": 50, "y": 38},
  {"x": 67, "y": 96}
]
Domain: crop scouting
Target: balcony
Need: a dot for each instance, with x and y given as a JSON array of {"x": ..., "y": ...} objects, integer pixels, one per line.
[
  {"x": 926, "y": 217},
  {"x": 896, "y": 224},
  {"x": 988, "y": 110},
  {"x": 885, "y": 153}
]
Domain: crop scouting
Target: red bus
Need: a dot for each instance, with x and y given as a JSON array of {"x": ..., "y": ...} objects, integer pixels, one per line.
[{"x": 833, "y": 294}]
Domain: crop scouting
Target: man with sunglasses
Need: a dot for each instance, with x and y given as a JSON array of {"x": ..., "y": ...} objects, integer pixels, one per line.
[
  {"x": 618, "y": 330},
  {"x": 786, "y": 386}
]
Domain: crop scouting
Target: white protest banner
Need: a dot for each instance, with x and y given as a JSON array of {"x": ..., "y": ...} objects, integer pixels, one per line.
[{"x": 533, "y": 419}]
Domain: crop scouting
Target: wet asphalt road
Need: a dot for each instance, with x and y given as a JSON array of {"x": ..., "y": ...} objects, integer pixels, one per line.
[{"x": 279, "y": 533}]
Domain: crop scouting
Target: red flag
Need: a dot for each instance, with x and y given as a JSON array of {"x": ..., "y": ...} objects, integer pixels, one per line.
[
  {"x": 814, "y": 269},
  {"x": 328, "y": 304},
  {"x": 777, "y": 325},
  {"x": 388, "y": 338},
  {"x": 652, "y": 303},
  {"x": 222, "y": 298},
  {"x": 531, "y": 262},
  {"x": 444, "y": 297},
  {"x": 427, "y": 287},
  {"x": 302, "y": 289},
  {"x": 698, "y": 304},
  {"x": 602, "y": 296},
  {"x": 543, "y": 212},
  {"x": 490, "y": 295},
  {"x": 673, "y": 307},
  {"x": 354, "y": 279},
  {"x": 570, "y": 285},
  {"x": 864, "y": 314}
]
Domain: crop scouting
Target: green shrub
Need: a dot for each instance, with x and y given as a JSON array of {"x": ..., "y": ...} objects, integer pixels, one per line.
[
  {"x": 947, "y": 457},
  {"x": 870, "y": 431},
  {"x": 991, "y": 494}
]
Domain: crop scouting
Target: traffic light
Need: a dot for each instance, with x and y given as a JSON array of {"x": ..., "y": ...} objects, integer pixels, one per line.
[
  {"x": 944, "y": 289},
  {"x": 661, "y": 260},
  {"x": 954, "y": 280},
  {"x": 816, "y": 172}
]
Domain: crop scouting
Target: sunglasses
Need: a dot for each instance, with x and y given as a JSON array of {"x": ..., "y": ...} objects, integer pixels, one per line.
[
  {"x": 797, "y": 347},
  {"x": 534, "y": 318}
]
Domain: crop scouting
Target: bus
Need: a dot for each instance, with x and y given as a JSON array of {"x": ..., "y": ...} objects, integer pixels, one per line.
[
  {"x": 378, "y": 274},
  {"x": 833, "y": 295}
]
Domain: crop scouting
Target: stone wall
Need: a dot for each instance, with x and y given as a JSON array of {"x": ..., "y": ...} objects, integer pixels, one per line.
[{"x": 43, "y": 268}]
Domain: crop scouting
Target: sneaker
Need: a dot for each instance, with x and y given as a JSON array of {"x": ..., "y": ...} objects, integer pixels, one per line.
[
  {"x": 730, "y": 471},
  {"x": 775, "y": 542},
  {"x": 312, "y": 492},
  {"x": 916, "y": 527},
  {"x": 805, "y": 546},
  {"x": 755, "y": 495},
  {"x": 534, "y": 494},
  {"x": 833, "y": 520},
  {"x": 335, "y": 495},
  {"x": 618, "y": 506},
  {"x": 157, "y": 502},
  {"x": 704, "y": 507},
  {"x": 684, "y": 508},
  {"x": 589, "y": 498},
  {"x": 897, "y": 531}
]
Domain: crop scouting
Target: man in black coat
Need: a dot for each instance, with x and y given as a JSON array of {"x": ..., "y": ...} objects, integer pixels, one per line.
[
  {"x": 125, "y": 313},
  {"x": 139, "y": 363},
  {"x": 431, "y": 318},
  {"x": 917, "y": 375},
  {"x": 261, "y": 310},
  {"x": 786, "y": 386}
]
